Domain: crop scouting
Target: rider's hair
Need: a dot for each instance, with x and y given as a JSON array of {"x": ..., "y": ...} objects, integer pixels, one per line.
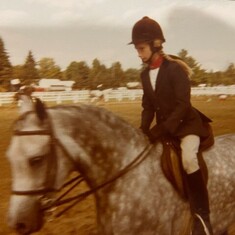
[{"x": 158, "y": 44}]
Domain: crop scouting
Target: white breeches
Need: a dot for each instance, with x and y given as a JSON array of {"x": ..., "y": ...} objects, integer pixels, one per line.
[{"x": 189, "y": 147}]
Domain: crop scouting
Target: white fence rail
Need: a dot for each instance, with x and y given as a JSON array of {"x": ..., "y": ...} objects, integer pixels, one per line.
[
  {"x": 217, "y": 90},
  {"x": 77, "y": 96},
  {"x": 108, "y": 95}
]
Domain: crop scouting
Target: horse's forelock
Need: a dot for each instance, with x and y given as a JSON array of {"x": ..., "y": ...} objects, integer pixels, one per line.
[
  {"x": 40, "y": 109},
  {"x": 29, "y": 119}
]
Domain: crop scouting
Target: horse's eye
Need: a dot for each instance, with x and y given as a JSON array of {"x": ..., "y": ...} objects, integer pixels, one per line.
[{"x": 36, "y": 161}]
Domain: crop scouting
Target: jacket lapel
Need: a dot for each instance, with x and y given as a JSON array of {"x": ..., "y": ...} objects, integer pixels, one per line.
[
  {"x": 148, "y": 85},
  {"x": 160, "y": 77}
]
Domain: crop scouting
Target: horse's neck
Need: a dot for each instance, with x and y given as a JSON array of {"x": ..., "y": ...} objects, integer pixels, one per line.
[
  {"x": 100, "y": 149},
  {"x": 106, "y": 163}
]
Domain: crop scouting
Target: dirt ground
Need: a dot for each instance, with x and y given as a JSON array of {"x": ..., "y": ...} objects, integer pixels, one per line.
[{"x": 81, "y": 220}]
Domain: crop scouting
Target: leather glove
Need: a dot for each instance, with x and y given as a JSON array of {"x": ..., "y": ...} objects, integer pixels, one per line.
[
  {"x": 156, "y": 133},
  {"x": 148, "y": 135},
  {"x": 151, "y": 138}
]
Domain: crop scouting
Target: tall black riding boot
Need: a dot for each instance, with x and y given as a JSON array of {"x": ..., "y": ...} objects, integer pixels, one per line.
[{"x": 199, "y": 203}]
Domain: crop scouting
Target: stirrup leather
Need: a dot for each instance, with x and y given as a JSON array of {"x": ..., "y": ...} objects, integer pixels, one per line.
[{"x": 203, "y": 224}]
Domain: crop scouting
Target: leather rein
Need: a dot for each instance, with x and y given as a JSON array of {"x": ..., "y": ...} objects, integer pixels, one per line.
[{"x": 51, "y": 172}]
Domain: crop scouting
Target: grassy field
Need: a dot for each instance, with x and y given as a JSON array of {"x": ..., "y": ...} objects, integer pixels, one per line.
[{"x": 81, "y": 219}]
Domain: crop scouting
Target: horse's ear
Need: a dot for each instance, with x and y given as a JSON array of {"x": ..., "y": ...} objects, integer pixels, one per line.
[
  {"x": 24, "y": 99},
  {"x": 40, "y": 109}
]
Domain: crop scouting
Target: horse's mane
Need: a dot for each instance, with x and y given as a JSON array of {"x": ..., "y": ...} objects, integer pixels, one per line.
[
  {"x": 82, "y": 121},
  {"x": 90, "y": 121},
  {"x": 83, "y": 112},
  {"x": 86, "y": 112}
]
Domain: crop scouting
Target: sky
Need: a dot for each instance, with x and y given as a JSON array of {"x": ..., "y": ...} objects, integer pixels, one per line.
[{"x": 82, "y": 30}]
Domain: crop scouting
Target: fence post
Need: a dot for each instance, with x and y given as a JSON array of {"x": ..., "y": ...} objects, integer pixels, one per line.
[
  {"x": 58, "y": 99},
  {"x": 119, "y": 96}
]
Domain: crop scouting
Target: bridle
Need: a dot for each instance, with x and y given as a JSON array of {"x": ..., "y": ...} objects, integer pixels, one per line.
[{"x": 51, "y": 173}]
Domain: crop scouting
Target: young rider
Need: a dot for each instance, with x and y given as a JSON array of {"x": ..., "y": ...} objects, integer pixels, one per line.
[{"x": 166, "y": 88}]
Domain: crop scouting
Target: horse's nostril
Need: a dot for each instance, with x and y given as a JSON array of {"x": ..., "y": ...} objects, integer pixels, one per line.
[{"x": 21, "y": 228}]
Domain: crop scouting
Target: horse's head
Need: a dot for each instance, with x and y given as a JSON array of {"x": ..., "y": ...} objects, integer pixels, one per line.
[
  {"x": 34, "y": 165},
  {"x": 47, "y": 144}
]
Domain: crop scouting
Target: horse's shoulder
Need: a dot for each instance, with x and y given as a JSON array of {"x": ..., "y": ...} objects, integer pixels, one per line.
[{"x": 225, "y": 138}]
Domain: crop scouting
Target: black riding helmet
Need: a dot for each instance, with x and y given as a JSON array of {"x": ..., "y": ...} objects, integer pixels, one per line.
[{"x": 146, "y": 30}]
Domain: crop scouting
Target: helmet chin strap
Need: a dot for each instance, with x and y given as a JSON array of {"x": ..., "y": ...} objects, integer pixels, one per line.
[
  {"x": 153, "y": 50},
  {"x": 150, "y": 58}
]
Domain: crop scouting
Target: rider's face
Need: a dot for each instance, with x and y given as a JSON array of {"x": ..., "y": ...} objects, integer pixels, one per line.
[{"x": 144, "y": 51}]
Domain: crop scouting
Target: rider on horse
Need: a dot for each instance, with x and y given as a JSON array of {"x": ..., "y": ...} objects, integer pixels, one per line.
[{"x": 166, "y": 88}]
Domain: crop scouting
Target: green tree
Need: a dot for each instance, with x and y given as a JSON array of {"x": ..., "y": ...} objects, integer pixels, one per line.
[
  {"x": 132, "y": 75},
  {"x": 98, "y": 75},
  {"x": 217, "y": 78},
  {"x": 30, "y": 71},
  {"x": 117, "y": 75},
  {"x": 49, "y": 69},
  {"x": 18, "y": 72},
  {"x": 229, "y": 74},
  {"x": 78, "y": 72},
  {"x": 5, "y": 67}
]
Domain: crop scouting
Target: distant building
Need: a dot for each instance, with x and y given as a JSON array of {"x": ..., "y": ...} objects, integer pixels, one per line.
[
  {"x": 133, "y": 85},
  {"x": 47, "y": 84}
]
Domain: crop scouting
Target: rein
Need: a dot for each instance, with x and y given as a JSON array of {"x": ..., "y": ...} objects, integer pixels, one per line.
[
  {"x": 140, "y": 158},
  {"x": 52, "y": 172}
]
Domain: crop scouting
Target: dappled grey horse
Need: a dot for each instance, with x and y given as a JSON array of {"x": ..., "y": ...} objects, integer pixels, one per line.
[{"x": 132, "y": 195}]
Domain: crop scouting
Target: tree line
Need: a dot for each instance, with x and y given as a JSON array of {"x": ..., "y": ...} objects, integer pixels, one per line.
[{"x": 96, "y": 75}]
